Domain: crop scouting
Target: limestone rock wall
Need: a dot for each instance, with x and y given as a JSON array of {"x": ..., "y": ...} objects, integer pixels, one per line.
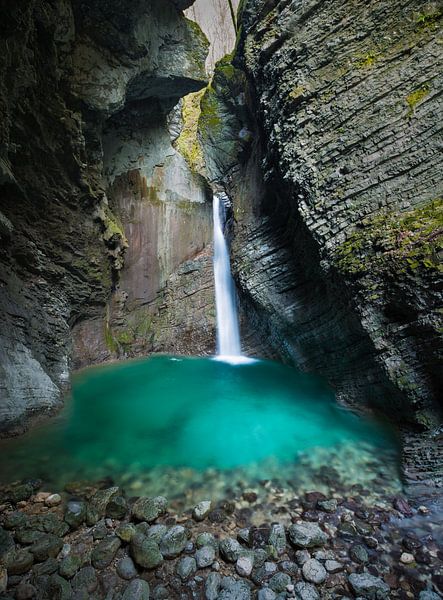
[
  {"x": 337, "y": 203},
  {"x": 73, "y": 77}
]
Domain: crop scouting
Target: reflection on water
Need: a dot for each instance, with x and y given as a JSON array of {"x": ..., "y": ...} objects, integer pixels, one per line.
[{"x": 185, "y": 422}]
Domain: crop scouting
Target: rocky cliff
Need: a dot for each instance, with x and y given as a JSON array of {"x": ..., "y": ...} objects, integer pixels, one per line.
[
  {"x": 335, "y": 182},
  {"x": 86, "y": 161}
]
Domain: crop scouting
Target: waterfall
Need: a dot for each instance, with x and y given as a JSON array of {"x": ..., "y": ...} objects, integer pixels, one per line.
[{"x": 228, "y": 334}]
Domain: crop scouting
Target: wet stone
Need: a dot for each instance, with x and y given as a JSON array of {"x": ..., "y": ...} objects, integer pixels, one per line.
[
  {"x": 289, "y": 567},
  {"x": 149, "y": 509},
  {"x": 6, "y": 542},
  {"x": 314, "y": 571},
  {"x": 205, "y": 556},
  {"x": 428, "y": 595},
  {"x": 126, "y": 568},
  {"x": 160, "y": 592},
  {"x": 138, "y": 589},
  {"x": 186, "y": 567},
  {"x": 3, "y": 579},
  {"x": 301, "y": 556},
  {"x": 103, "y": 554},
  {"x": 100, "y": 531},
  {"x": 174, "y": 541},
  {"x": 259, "y": 536}
]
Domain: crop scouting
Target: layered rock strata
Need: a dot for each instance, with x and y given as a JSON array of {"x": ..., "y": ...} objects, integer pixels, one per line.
[{"x": 337, "y": 203}]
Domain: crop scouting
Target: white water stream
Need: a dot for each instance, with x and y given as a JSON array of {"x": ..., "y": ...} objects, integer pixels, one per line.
[{"x": 228, "y": 333}]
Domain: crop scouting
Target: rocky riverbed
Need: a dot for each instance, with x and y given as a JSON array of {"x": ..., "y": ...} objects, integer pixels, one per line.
[{"x": 93, "y": 541}]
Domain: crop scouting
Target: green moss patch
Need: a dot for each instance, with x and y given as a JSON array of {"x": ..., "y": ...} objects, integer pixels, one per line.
[
  {"x": 187, "y": 143},
  {"x": 396, "y": 241},
  {"x": 416, "y": 97}
]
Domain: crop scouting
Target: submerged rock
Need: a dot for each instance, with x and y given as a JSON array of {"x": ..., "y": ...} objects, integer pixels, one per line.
[{"x": 145, "y": 551}]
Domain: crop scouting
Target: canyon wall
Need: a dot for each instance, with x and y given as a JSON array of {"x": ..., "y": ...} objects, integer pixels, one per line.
[
  {"x": 337, "y": 194},
  {"x": 87, "y": 172}
]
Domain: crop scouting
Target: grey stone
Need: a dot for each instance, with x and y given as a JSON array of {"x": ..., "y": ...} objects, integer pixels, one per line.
[
  {"x": 75, "y": 513},
  {"x": 117, "y": 507},
  {"x": 145, "y": 551},
  {"x": 263, "y": 573},
  {"x": 48, "y": 567},
  {"x": 96, "y": 508},
  {"x": 59, "y": 588},
  {"x": 306, "y": 591},
  {"x": 174, "y": 541},
  {"x": 428, "y": 595},
  {"x": 266, "y": 594},
  {"x": 160, "y": 592},
  {"x": 307, "y": 535},
  {"x": 138, "y": 589},
  {"x": 125, "y": 531},
  {"x": 6, "y": 542},
  {"x": 85, "y": 580},
  {"x": 47, "y": 545},
  {"x": 202, "y": 510},
  {"x": 25, "y": 591},
  {"x": 206, "y": 539},
  {"x": 314, "y": 571},
  {"x": 359, "y": 554},
  {"x": 205, "y": 556},
  {"x": 69, "y": 566},
  {"x": 279, "y": 582},
  {"x": 156, "y": 532},
  {"x": 103, "y": 554},
  {"x": 329, "y": 506},
  {"x": 19, "y": 562},
  {"x": 333, "y": 566},
  {"x": 212, "y": 586},
  {"x": 149, "y": 509},
  {"x": 234, "y": 590},
  {"x": 277, "y": 538},
  {"x": 244, "y": 565},
  {"x": 230, "y": 549},
  {"x": 186, "y": 567},
  {"x": 126, "y": 568},
  {"x": 368, "y": 586}
]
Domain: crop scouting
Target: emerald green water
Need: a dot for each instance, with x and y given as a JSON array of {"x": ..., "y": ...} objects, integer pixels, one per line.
[{"x": 173, "y": 415}]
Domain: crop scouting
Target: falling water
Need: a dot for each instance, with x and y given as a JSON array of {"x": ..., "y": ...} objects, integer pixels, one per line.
[{"x": 228, "y": 335}]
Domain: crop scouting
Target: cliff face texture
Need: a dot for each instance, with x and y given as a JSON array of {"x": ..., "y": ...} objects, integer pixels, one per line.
[
  {"x": 86, "y": 158},
  {"x": 338, "y": 213}
]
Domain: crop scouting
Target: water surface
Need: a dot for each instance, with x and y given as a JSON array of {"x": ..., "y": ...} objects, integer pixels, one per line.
[{"x": 187, "y": 417}]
